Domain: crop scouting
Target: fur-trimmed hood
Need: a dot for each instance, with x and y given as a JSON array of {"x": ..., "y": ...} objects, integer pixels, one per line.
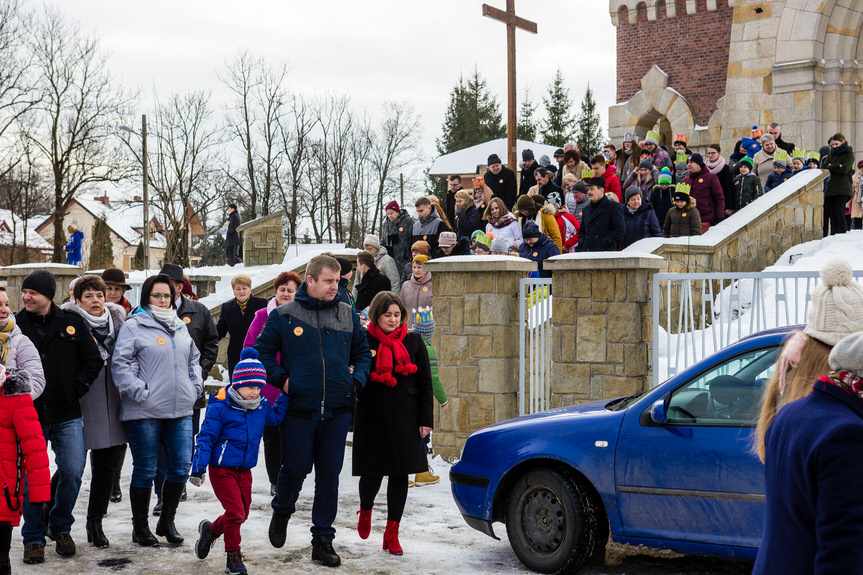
[
  {"x": 549, "y": 209},
  {"x": 17, "y": 382}
]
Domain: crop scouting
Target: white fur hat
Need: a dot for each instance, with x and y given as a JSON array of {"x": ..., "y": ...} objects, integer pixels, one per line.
[{"x": 837, "y": 305}]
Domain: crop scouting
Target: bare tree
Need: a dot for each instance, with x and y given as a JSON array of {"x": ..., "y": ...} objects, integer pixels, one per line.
[
  {"x": 294, "y": 132},
  {"x": 18, "y": 93},
  {"x": 22, "y": 193},
  {"x": 79, "y": 110},
  {"x": 185, "y": 143},
  {"x": 254, "y": 120}
]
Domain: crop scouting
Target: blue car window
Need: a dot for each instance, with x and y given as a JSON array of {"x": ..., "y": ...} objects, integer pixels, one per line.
[{"x": 726, "y": 394}]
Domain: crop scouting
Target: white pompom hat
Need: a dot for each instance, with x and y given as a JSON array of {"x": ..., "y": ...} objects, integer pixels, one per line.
[{"x": 837, "y": 305}]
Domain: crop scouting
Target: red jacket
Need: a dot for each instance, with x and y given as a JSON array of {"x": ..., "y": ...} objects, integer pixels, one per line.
[
  {"x": 564, "y": 220},
  {"x": 612, "y": 182},
  {"x": 18, "y": 421}
]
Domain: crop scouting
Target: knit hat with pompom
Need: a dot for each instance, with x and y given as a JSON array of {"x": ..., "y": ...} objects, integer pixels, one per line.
[
  {"x": 249, "y": 372},
  {"x": 837, "y": 305}
]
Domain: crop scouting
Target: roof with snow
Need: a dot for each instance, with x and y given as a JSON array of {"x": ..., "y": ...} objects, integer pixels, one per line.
[
  {"x": 10, "y": 222},
  {"x": 468, "y": 160}
]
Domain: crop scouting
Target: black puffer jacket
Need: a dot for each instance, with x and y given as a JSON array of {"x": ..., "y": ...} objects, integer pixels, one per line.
[
  {"x": 396, "y": 238},
  {"x": 840, "y": 163}
]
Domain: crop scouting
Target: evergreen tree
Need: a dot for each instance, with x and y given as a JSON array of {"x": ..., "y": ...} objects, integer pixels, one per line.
[
  {"x": 472, "y": 117},
  {"x": 559, "y": 121},
  {"x": 138, "y": 258},
  {"x": 527, "y": 124},
  {"x": 590, "y": 138},
  {"x": 212, "y": 250},
  {"x": 101, "y": 248}
]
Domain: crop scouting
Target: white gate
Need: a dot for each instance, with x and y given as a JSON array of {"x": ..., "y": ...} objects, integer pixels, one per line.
[{"x": 534, "y": 331}]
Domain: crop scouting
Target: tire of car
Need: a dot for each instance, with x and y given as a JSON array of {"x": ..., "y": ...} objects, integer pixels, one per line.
[{"x": 550, "y": 522}]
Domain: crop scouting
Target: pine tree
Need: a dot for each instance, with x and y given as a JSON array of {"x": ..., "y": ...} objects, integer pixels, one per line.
[
  {"x": 590, "y": 138},
  {"x": 138, "y": 258},
  {"x": 559, "y": 122},
  {"x": 527, "y": 124},
  {"x": 212, "y": 251},
  {"x": 101, "y": 248},
  {"x": 472, "y": 117}
]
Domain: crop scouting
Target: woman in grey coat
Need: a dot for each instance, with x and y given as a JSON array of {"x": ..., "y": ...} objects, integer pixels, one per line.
[
  {"x": 157, "y": 371},
  {"x": 16, "y": 349},
  {"x": 104, "y": 435}
]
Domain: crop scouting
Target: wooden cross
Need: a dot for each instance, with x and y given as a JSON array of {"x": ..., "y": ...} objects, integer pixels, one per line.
[{"x": 512, "y": 22}]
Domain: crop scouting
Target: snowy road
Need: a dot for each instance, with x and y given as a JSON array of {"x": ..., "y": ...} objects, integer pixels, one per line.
[{"x": 435, "y": 538}]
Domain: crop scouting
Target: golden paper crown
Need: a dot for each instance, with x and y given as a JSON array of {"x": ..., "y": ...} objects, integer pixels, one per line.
[
  {"x": 780, "y": 156},
  {"x": 652, "y": 135},
  {"x": 683, "y": 188},
  {"x": 478, "y": 182},
  {"x": 681, "y": 157},
  {"x": 813, "y": 156},
  {"x": 681, "y": 138},
  {"x": 586, "y": 174},
  {"x": 630, "y": 137},
  {"x": 798, "y": 153}
]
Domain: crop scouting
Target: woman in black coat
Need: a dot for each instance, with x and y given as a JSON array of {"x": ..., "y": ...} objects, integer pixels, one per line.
[
  {"x": 393, "y": 416},
  {"x": 237, "y": 315}
]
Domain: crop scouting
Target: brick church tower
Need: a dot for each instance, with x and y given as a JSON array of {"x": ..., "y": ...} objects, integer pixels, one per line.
[{"x": 711, "y": 69}]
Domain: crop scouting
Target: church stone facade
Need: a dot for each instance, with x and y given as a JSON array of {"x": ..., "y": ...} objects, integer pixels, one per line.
[{"x": 711, "y": 69}]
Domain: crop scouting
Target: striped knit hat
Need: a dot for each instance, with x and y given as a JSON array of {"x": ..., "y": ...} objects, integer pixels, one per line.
[{"x": 249, "y": 372}]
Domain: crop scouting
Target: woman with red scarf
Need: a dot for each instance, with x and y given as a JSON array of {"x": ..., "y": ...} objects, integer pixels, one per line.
[{"x": 393, "y": 416}]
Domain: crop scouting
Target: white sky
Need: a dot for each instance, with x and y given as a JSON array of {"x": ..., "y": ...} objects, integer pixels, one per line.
[{"x": 372, "y": 50}]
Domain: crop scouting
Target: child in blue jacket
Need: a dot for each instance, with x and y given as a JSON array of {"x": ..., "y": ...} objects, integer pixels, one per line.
[{"x": 228, "y": 442}]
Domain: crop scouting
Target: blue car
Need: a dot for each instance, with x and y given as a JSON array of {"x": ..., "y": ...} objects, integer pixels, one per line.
[{"x": 672, "y": 467}]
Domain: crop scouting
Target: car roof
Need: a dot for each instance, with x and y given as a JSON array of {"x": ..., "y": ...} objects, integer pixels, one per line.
[{"x": 785, "y": 330}]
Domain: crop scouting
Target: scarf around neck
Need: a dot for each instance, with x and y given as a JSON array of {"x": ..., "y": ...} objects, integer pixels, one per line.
[
  {"x": 383, "y": 372},
  {"x": 5, "y": 335},
  {"x": 166, "y": 315},
  {"x": 715, "y": 167},
  {"x": 502, "y": 221},
  {"x": 102, "y": 329},
  {"x": 247, "y": 404},
  {"x": 844, "y": 380}
]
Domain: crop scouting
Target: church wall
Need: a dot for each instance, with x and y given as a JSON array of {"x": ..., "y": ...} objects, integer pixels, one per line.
[{"x": 692, "y": 48}]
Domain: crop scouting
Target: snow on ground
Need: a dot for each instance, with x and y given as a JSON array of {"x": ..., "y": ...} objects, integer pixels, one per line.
[
  {"x": 435, "y": 537},
  {"x": 733, "y": 321}
]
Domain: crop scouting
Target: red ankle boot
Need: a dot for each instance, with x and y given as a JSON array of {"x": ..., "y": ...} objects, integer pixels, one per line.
[
  {"x": 391, "y": 538},
  {"x": 364, "y": 524}
]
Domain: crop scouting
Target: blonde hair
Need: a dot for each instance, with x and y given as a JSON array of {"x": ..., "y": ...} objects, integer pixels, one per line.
[
  {"x": 569, "y": 178},
  {"x": 799, "y": 380},
  {"x": 241, "y": 279},
  {"x": 500, "y": 204},
  {"x": 466, "y": 196}
]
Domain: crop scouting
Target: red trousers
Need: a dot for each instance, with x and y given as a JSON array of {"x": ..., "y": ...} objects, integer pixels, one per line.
[{"x": 233, "y": 488}]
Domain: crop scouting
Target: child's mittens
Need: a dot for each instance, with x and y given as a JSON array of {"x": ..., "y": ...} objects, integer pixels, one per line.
[{"x": 197, "y": 480}]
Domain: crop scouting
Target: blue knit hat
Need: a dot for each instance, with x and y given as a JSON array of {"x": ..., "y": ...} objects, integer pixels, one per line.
[
  {"x": 424, "y": 321},
  {"x": 249, "y": 372}
]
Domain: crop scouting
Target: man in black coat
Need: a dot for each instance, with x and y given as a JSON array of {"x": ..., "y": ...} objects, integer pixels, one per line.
[
  {"x": 602, "y": 225},
  {"x": 775, "y": 130},
  {"x": 454, "y": 186},
  {"x": 373, "y": 281},
  {"x": 232, "y": 238},
  {"x": 528, "y": 167},
  {"x": 501, "y": 180},
  {"x": 71, "y": 362}
]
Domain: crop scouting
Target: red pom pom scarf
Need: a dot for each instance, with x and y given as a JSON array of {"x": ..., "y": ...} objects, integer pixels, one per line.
[{"x": 383, "y": 372}]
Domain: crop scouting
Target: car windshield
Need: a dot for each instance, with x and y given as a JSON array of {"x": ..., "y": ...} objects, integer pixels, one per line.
[{"x": 623, "y": 402}]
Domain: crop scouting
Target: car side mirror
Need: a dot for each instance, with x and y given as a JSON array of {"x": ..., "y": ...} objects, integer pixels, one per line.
[{"x": 658, "y": 412}]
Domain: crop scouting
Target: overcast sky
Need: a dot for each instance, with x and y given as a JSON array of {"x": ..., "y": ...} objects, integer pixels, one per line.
[{"x": 372, "y": 50}]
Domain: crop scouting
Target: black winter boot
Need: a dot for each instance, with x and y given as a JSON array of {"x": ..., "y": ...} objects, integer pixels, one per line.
[
  {"x": 171, "y": 493},
  {"x": 95, "y": 535},
  {"x": 139, "y": 499},
  {"x": 323, "y": 552}
]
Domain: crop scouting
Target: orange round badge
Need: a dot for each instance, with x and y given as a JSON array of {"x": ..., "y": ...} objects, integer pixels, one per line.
[
  {"x": 501, "y": 180},
  {"x": 161, "y": 341},
  {"x": 374, "y": 352},
  {"x": 298, "y": 331},
  {"x": 187, "y": 320},
  {"x": 401, "y": 229},
  {"x": 700, "y": 180},
  {"x": 535, "y": 254},
  {"x": 70, "y": 329},
  {"x": 425, "y": 237},
  {"x": 425, "y": 288}
]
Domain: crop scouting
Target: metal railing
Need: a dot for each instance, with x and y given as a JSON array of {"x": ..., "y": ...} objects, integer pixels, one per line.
[
  {"x": 695, "y": 315},
  {"x": 534, "y": 332}
]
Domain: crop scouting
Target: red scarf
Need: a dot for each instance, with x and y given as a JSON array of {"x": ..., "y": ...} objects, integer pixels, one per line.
[{"x": 383, "y": 372}]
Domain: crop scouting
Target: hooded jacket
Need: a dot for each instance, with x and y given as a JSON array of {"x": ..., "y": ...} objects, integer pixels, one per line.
[
  {"x": 543, "y": 249},
  {"x": 639, "y": 225},
  {"x": 467, "y": 221},
  {"x": 73, "y": 248},
  {"x": 775, "y": 179},
  {"x": 372, "y": 283},
  {"x": 685, "y": 222},
  {"x": 387, "y": 266},
  {"x": 317, "y": 341},
  {"x": 747, "y": 189},
  {"x": 231, "y": 435},
  {"x": 396, "y": 237},
  {"x": 22, "y": 450},
  {"x": 612, "y": 182},
  {"x": 662, "y": 201},
  {"x": 428, "y": 229},
  {"x": 157, "y": 373},
  {"x": 547, "y": 224},
  {"x": 416, "y": 294},
  {"x": 24, "y": 355},
  {"x": 601, "y": 227}
]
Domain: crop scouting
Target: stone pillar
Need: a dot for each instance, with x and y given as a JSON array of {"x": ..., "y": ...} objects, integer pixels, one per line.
[
  {"x": 204, "y": 285},
  {"x": 476, "y": 339},
  {"x": 602, "y": 330},
  {"x": 64, "y": 274}
]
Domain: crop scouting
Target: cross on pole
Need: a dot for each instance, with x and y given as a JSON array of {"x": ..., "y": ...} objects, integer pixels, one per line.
[{"x": 512, "y": 22}]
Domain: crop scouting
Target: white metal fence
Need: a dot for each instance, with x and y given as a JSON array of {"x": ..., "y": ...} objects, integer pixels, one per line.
[
  {"x": 695, "y": 315},
  {"x": 534, "y": 360}
]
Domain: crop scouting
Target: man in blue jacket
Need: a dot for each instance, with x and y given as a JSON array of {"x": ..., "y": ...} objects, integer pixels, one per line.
[
  {"x": 324, "y": 358},
  {"x": 537, "y": 247}
]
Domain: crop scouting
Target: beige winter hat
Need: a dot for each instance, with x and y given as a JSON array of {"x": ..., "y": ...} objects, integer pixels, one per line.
[{"x": 837, "y": 305}]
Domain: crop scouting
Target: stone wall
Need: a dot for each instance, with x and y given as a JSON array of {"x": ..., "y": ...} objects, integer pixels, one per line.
[
  {"x": 263, "y": 241},
  {"x": 14, "y": 275},
  {"x": 476, "y": 339}
]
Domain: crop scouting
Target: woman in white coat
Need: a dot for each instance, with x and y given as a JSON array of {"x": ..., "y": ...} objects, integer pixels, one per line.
[{"x": 502, "y": 224}]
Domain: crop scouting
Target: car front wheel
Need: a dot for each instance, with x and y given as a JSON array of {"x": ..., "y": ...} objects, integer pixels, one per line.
[{"x": 550, "y": 522}]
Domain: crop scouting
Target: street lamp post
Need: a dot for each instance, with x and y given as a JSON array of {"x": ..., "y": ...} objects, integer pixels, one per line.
[{"x": 145, "y": 232}]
